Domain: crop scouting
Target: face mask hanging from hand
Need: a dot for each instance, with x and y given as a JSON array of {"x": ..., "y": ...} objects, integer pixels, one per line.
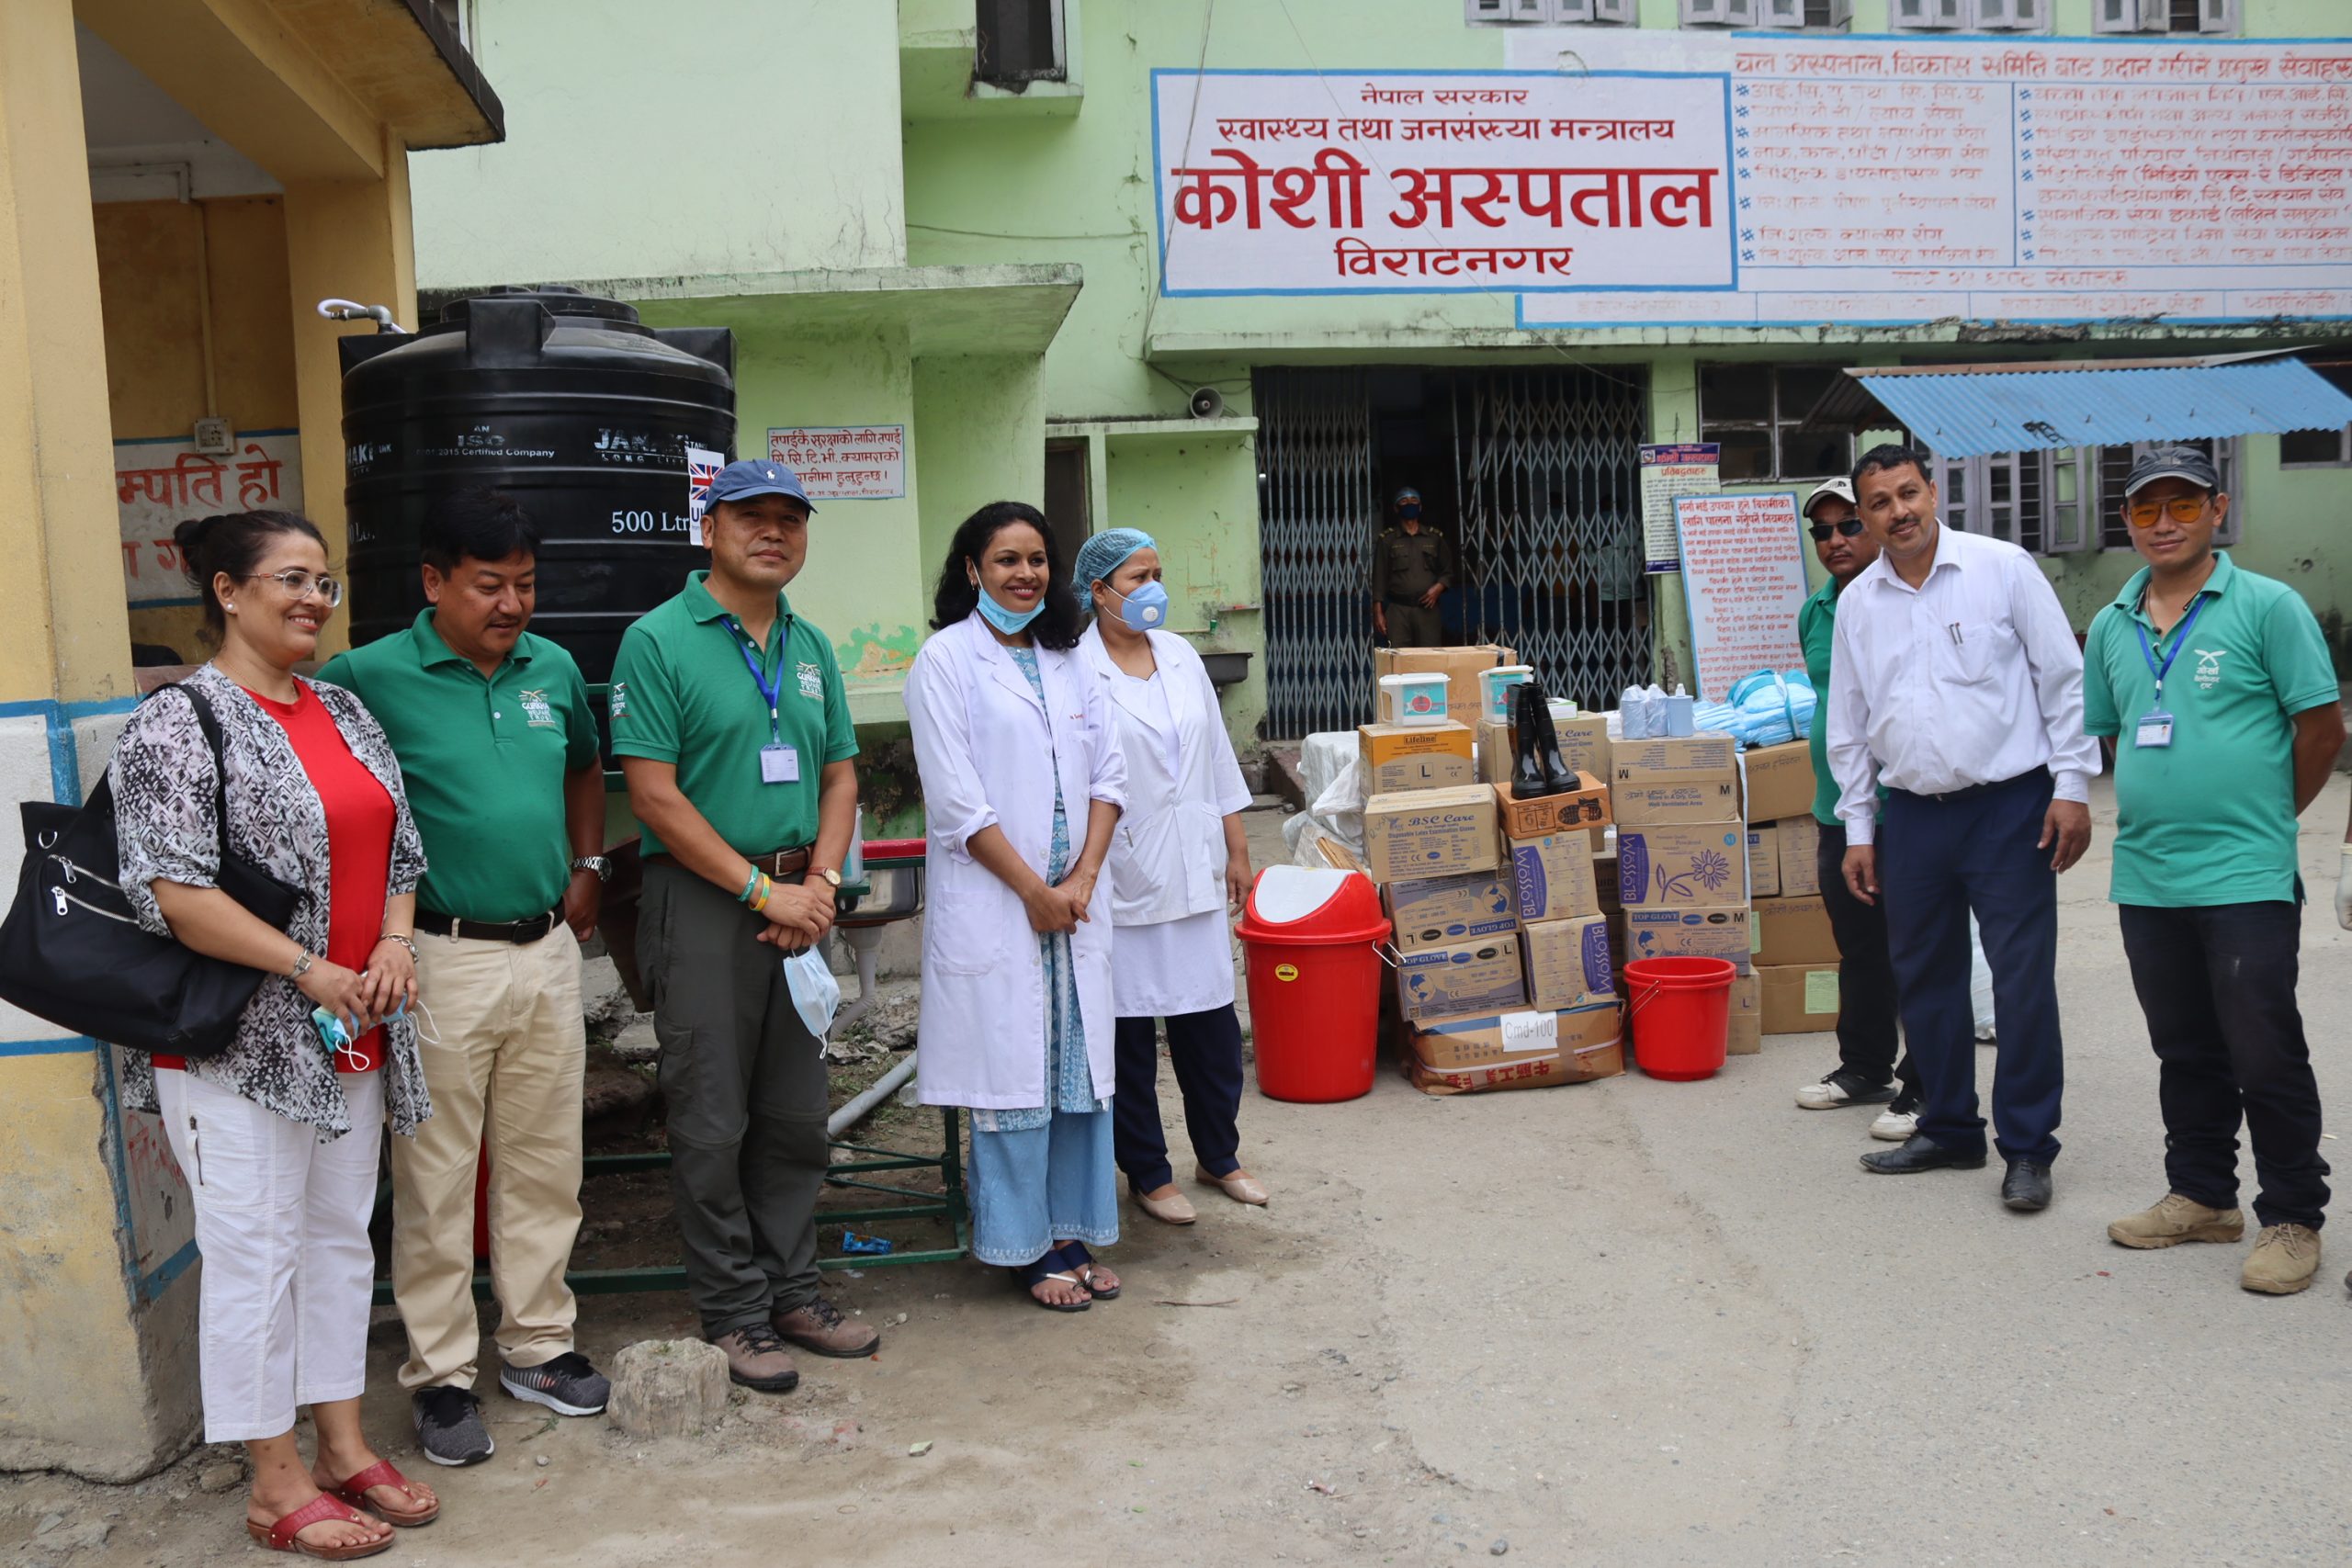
[
  {"x": 1145, "y": 609},
  {"x": 815, "y": 995}
]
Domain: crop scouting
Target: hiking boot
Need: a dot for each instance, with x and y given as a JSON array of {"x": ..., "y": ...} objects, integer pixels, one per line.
[
  {"x": 819, "y": 1326},
  {"x": 448, "y": 1426},
  {"x": 756, "y": 1358},
  {"x": 569, "y": 1385},
  {"x": 1844, "y": 1088},
  {"x": 1898, "y": 1121},
  {"x": 2283, "y": 1261},
  {"x": 2173, "y": 1220}
]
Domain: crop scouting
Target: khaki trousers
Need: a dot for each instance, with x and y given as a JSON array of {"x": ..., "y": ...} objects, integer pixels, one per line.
[{"x": 513, "y": 1054}]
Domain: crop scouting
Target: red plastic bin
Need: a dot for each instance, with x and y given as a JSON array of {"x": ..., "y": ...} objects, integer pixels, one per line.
[{"x": 1313, "y": 942}]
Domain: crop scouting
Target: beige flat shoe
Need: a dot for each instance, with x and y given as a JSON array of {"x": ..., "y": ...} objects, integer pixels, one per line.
[
  {"x": 1241, "y": 1187},
  {"x": 1175, "y": 1208}
]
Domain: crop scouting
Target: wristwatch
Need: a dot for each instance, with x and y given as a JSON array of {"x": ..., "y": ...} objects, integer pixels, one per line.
[
  {"x": 302, "y": 966},
  {"x": 600, "y": 864},
  {"x": 832, "y": 879}
]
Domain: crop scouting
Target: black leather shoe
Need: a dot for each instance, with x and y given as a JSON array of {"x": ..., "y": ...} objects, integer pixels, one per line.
[
  {"x": 1918, "y": 1152},
  {"x": 2026, "y": 1188}
]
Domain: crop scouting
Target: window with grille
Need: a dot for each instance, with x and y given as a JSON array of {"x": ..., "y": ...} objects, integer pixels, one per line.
[
  {"x": 1808, "y": 16},
  {"x": 1019, "y": 41},
  {"x": 1757, "y": 414},
  {"x": 2321, "y": 448},
  {"x": 1499, "y": 12},
  {"x": 2057, "y": 503},
  {"x": 2166, "y": 16},
  {"x": 1963, "y": 16}
]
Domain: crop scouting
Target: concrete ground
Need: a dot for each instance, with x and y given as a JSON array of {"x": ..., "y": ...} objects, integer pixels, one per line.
[{"x": 1628, "y": 1322}]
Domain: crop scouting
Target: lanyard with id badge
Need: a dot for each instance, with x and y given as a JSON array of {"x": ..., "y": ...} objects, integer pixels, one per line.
[
  {"x": 779, "y": 763},
  {"x": 2155, "y": 730}
]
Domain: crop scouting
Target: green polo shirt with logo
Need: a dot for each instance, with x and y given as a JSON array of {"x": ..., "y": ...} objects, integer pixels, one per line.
[
  {"x": 2211, "y": 818},
  {"x": 683, "y": 692},
  {"x": 482, "y": 761},
  {"x": 1816, "y": 631}
]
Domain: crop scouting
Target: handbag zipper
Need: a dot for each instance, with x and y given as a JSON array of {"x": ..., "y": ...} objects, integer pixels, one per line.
[{"x": 64, "y": 898}]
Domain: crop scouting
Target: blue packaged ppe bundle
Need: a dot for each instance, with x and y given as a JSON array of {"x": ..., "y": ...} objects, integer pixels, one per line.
[{"x": 1763, "y": 709}]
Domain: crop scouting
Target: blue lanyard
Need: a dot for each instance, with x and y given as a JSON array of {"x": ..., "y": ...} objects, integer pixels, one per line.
[
  {"x": 770, "y": 690},
  {"x": 2180, "y": 637}
]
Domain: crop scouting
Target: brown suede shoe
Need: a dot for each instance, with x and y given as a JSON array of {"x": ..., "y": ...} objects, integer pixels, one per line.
[
  {"x": 756, "y": 1358},
  {"x": 819, "y": 1326},
  {"x": 2283, "y": 1261}
]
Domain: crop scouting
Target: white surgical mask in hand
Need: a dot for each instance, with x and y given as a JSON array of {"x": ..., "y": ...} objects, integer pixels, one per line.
[{"x": 815, "y": 995}]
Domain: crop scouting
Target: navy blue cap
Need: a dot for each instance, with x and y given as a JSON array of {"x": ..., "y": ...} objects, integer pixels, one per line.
[
  {"x": 2172, "y": 463},
  {"x": 748, "y": 477}
]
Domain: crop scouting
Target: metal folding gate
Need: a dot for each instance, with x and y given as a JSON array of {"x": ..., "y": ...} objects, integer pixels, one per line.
[{"x": 1546, "y": 509}]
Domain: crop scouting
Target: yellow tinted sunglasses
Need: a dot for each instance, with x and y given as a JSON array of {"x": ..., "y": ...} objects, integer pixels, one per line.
[{"x": 2183, "y": 507}]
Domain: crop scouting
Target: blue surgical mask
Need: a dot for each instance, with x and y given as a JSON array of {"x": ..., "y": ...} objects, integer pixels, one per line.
[
  {"x": 1012, "y": 623},
  {"x": 1145, "y": 608}
]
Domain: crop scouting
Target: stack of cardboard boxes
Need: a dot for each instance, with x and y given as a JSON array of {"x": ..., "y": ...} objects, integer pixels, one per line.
[
  {"x": 1503, "y": 976},
  {"x": 1796, "y": 954},
  {"x": 1682, "y": 860}
]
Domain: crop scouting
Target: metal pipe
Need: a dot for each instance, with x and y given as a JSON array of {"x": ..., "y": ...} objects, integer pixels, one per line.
[{"x": 882, "y": 1088}]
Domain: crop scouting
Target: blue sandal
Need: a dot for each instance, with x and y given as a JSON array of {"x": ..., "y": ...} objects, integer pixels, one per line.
[
  {"x": 1080, "y": 1262},
  {"x": 1031, "y": 1276}
]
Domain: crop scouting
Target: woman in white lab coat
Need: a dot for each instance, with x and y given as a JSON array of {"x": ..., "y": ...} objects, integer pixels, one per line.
[
  {"x": 1023, "y": 785},
  {"x": 1178, "y": 858}
]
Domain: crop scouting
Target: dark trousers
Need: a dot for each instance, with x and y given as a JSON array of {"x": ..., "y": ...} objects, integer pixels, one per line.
[
  {"x": 2218, "y": 986},
  {"x": 746, "y": 1088},
  {"x": 1866, "y": 1006},
  {"x": 1412, "y": 626},
  {"x": 1205, "y": 1050},
  {"x": 1941, "y": 858}
]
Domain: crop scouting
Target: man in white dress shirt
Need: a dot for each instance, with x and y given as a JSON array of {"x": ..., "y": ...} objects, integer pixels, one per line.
[{"x": 1959, "y": 686}]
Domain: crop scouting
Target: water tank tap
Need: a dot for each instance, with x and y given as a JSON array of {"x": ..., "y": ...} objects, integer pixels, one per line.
[{"x": 353, "y": 310}]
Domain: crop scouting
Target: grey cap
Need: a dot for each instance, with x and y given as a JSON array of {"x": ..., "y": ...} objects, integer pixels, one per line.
[
  {"x": 1840, "y": 487},
  {"x": 2172, "y": 463}
]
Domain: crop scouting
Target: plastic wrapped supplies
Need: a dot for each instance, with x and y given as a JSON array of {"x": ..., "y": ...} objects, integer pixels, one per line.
[
  {"x": 1329, "y": 771},
  {"x": 1763, "y": 709}
]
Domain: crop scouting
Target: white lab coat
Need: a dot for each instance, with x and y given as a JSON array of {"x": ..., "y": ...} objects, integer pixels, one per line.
[
  {"x": 989, "y": 757},
  {"x": 1168, "y": 857}
]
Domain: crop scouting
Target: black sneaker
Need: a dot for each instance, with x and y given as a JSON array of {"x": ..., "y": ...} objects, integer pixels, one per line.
[
  {"x": 1844, "y": 1088},
  {"x": 448, "y": 1426},
  {"x": 569, "y": 1385}
]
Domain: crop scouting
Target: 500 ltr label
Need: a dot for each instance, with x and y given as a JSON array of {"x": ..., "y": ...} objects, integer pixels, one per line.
[{"x": 651, "y": 523}]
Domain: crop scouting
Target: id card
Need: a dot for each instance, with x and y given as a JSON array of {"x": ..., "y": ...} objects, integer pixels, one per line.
[
  {"x": 779, "y": 764},
  {"x": 2154, "y": 730}
]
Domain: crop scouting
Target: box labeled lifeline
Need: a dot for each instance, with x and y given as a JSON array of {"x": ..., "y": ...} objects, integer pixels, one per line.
[
  {"x": 1394, "y": 757},
  {"x": 1706, "y": 931},
  {"x": 1480, "y": 976},
  {"x": 1521, "y": 1049},
  {"x": 1763, "y": 859},
  {"x": 1552, "y": 877},
  {"x": 1450, "y": 908},
  {"x": 1793, "y": 930},
  {"x": 1460, "y": 666},
  {"x": 1587, "y": 806},
  {"x": 1799, "y": 999},
  {"x": 1681, "y": 864},
  {"x": 1430, "y": 832},
  {"x": 1744, "y": 1025},
  {"x": 1567, "y": 962},
  {"x": 1779, "y": 781},
  {"x": 1800, "y": 856}
]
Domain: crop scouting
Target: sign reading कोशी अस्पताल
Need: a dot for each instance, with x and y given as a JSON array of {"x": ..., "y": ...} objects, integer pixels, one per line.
[
  {"x": 1415, "y": 182},
  {"x": 1743, "y": 574},
  {"x": 159, "y": 481},
  {"x": 1912, "y": 178},
  {"x": 1692, "y": 469},
  {"x": 850, "y": 462}
]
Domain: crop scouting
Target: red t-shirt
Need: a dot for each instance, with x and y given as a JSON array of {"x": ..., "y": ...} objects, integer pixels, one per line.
[{"x": 361, "y": 819}]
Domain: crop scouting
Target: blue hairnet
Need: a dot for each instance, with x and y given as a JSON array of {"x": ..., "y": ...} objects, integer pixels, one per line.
[{"x": 1105, "y": 553}]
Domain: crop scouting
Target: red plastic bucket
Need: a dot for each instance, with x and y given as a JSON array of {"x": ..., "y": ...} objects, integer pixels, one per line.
[
  {"x": 1680, "y": 1010},
  {"x": 1313, "y": 938}
]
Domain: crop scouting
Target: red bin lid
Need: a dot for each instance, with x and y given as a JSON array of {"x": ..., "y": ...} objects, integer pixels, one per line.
[{"x": 1296, "y": 903}]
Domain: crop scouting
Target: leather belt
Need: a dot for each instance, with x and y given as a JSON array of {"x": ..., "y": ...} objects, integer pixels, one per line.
[
  {"x": 775, "y": 863},
  {"x": 516, "y": 931},
  {"x": 1971, "y": 792}
]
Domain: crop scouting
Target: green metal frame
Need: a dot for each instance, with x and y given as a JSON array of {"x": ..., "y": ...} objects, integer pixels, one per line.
[{"x": 949, "y": 1205}]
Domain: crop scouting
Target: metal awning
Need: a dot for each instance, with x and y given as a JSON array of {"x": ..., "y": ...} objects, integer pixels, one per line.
[{"x": 1966, "y": 412}]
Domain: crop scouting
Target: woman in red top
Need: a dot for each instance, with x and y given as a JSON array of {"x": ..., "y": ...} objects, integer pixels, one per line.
[{"x": 279, "y": 1135}]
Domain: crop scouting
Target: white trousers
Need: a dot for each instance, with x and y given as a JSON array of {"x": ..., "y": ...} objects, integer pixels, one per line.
[{"x": 281, "y": 1219}]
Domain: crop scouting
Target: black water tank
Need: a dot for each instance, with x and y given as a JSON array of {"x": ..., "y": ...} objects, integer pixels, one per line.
[{"x": 566, "y": 403}]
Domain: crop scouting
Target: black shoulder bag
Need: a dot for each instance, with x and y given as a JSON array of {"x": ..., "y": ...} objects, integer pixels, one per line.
[{"x": 72, "y": 952}]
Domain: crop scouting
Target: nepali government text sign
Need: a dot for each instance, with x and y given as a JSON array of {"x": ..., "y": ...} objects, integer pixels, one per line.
[
  {"x": 860, "y": 462},
  {"x": 1887, "y": 181},
  {"x": 1692, "y": 468},
  {"x": 1301, "y": 183},
  {"x": 1743, "y": 571},
  {"x": 160, "y": 480}
]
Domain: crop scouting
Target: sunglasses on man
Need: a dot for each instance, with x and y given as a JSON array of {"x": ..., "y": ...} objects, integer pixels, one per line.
[
  {"x": 2183, "y": 507},
  {"x": 1821, "y": 531}
]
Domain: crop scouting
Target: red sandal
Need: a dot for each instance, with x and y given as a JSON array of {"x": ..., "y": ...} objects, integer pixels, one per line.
[
  {"x": 283, "y": 1535},
  {"x": 353, "y": 1491}
]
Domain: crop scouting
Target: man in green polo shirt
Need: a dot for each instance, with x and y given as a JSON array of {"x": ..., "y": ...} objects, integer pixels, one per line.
[
  {"x": 733, "y": 731},
  {"x": 497, "y": 747},
  {"x": 2216, "y": 687}
]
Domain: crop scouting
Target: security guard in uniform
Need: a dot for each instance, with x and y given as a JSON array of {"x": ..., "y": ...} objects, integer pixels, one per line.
[
  {"x": 1412, "y": 565},
  {"x": 733, "y": 732}
]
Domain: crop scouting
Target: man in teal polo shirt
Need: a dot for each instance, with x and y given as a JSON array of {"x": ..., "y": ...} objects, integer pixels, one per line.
[
  {"x": 1867, "y": 1072},
  {"x": 497, "y": 746},
  {"x": 733, "y": 731},
  {"x": 2216, "y": 687}
]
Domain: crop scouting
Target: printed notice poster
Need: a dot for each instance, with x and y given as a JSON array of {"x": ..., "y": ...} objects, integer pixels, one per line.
[
  {"x": 1744, "y": 574},
  {"x": 1668, "y": 472},
  {"x": 866, "y": 462},
  {"x": 160, "y": 480}
]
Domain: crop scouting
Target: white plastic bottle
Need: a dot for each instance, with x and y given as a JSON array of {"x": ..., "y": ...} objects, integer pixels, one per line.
[
  {"x": 1633, "y": 713},
  {"x": 1680, "y": 717}
]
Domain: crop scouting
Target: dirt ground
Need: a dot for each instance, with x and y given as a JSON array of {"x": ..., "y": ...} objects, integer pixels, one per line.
[{"x": 1623, "y": 1323}]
